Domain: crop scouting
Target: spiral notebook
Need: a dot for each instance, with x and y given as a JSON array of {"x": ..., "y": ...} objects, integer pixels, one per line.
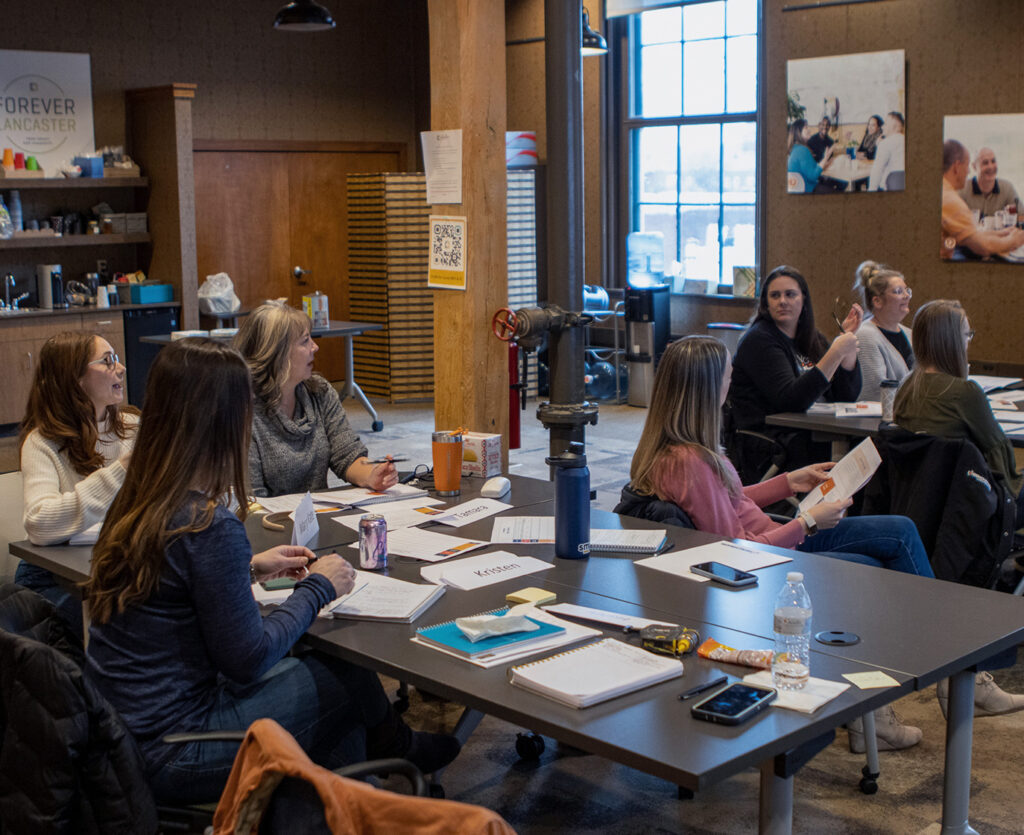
[
  {"x": 447, "y": 635},
  {"x": 595, "y": 673}
]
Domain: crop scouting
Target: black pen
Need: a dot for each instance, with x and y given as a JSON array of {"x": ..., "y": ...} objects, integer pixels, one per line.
[
  {"x": 385, "y": 460},
  {"x": 696, "y": 691}
]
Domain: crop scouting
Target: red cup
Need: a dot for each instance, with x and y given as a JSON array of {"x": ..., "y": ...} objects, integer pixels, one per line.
[{"x": 19, "y": 160}]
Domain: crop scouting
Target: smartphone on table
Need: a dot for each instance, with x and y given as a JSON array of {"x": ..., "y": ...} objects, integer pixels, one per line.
[
  {"x": 734, "y": 704},
  {"x": 724, "y": 574}
]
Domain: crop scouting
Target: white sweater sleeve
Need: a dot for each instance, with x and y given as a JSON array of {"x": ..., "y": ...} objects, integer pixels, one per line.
[{"x": 53, "y": 515}]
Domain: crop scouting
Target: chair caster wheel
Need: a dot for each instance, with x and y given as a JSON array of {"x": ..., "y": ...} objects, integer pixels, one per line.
[
  {"x": 868, "y": 782},
  {"x": 529, "y": 746},
  {"x": 377, "y": 425},
  {"x": 401, "y": 705},
  {"x": 436, "y": 790},
  {"x": 683, "y": 793}
]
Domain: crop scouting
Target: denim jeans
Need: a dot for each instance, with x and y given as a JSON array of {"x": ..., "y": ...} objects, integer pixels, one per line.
[
  {"x": 884, "y": 541},
  {"x": 43, "y": 583},
  {"x": 325, "y": 703}
]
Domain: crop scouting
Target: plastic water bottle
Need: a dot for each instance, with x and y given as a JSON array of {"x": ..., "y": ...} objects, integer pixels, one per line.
[
  {"x": 572, "y": 503},
  {"x": 792, "y": 628}
]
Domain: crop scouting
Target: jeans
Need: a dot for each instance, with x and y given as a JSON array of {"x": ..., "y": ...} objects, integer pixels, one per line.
[
  {"x": 883, "y": 541},
  {"x": 325, "y": 703},
  {"x": 43, "y": 583}
]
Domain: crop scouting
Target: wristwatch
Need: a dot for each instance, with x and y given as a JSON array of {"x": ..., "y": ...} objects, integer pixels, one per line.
[
  {"x": 808, "y": 520},
  {"x": 252, "y": 574}
]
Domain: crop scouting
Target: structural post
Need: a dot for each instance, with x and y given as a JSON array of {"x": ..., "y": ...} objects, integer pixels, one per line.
[{"x": 467, "y": 91}]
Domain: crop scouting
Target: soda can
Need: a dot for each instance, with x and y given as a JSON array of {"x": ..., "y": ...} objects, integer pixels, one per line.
[{"x": 373, "y": 541}]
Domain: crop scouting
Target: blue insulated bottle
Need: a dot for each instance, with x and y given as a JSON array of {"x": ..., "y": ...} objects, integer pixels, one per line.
[{"x": 572, "y": 503}]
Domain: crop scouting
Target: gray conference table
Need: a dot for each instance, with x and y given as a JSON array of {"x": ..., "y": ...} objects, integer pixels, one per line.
[
  {"x": 336, "y": 327},
  {"x": 902, "y": 621}
]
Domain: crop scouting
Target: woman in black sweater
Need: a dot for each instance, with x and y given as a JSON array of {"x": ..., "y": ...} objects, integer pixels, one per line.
[{"x": 784, "y": 364}]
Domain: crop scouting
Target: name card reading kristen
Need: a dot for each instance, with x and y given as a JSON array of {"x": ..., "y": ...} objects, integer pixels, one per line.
[{"x": 477, "y": 572}]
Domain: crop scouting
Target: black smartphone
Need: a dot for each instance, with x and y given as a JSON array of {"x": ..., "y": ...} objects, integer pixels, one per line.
[
  {"x": 734, "y": 704},
  {"x": 721, "y": 573}
]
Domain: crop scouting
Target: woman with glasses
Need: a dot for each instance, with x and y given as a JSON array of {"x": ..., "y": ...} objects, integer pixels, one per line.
[
  {"x": 75, "y": 444},
  {"x": 784, "y": 364},
  {"x": 299, "y": 426},
  {"x": 885, "y": 352},
  {"x": 938, "y": 399}
]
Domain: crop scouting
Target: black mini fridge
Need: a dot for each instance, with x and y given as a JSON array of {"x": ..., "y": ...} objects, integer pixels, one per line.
[{"x": 139, "y": 322}]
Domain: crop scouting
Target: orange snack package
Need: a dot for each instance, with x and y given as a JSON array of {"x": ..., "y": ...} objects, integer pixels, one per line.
[{"x": 714, "y": 651}]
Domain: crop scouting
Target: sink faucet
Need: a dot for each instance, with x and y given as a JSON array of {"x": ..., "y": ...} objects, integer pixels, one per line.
[
  {"x": 19, "y": 298},
  {"x": 8, "y": 286}
]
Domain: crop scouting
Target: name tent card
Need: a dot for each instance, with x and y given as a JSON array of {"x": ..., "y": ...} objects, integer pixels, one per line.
[{"x": 306, "y": 524}]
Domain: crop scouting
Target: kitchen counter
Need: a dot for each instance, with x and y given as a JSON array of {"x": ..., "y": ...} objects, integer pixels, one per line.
[{"x": 42, "y": 313}]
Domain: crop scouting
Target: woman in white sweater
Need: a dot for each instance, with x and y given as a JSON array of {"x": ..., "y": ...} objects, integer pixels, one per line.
[
  {"x": 884, "y": 349},
  {"x": 75, "y": 445}
]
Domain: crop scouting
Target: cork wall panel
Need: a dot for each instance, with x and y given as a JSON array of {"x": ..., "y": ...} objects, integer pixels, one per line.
[
  {"x": 355, "y": 83},
  {"x": 961, "y": 58}
]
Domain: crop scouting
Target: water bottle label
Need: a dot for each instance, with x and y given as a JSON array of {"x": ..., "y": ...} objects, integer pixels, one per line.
[
  {"x": 791, "y": 622},
  {"x": 583, "y": 548}
]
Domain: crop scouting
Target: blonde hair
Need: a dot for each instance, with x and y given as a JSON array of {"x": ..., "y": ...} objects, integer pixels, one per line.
[
  {"x": 685, "y": 411},
  {"x": 938, "y": 342},
  {"x": 265, "y": 340},
  {"x": 871, "y": 280}
]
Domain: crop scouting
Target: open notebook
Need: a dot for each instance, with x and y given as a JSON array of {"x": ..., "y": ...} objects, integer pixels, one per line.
[{"x": 595, "y": 673}]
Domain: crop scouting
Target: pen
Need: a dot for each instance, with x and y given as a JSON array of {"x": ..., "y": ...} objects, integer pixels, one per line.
[
  {"x": 696, "y": 691},
  {"x": 385, "y": 460}
]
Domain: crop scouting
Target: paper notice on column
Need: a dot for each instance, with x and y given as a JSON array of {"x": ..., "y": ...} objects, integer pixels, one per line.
[
  {"x": 847, "y": 477},
  {"x": 442, "y": 161}
]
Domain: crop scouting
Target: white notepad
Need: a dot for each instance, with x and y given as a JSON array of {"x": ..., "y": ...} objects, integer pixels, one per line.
[
  {"x": 595, "y": 673},
  {"x": 378, "y": 597}
]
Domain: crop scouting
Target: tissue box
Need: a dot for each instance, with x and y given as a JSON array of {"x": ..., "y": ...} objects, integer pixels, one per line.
[
  {"x": 91, "y": 166},
  {"x": 481, "y": 454},
  {"x": 151, "y": 293}
]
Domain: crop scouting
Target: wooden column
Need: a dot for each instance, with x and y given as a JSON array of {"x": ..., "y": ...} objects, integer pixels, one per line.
[
  {"x": 159, "y": 132},
  {"x": 467, "y": 91}
]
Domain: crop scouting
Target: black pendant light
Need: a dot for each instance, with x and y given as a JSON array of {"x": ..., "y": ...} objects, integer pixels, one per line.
[
  {"x": 303, "y": 16},
  {"x": 593, "y": 43}
]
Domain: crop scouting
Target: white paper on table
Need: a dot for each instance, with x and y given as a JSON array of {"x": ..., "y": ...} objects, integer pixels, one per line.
[
  {"x": 442, "y": 162},
  {"x": 821, "y": 409},
  {"x": 88, "y": 536},
  {"x": 816, "y": 692},
  {"x": 523, "y": 529},
  {"x": 846, "y": 477},
  {"x": 740, "y": 555},
  {"x": 989, "y": 383},
  {"x": 1006, "y": 411},
  {"x": 306, "y": 525},
  {"x": 364, "y": 496},
  {"x": 1010, "y": 428},
  {"x": 404, "y": 514},
  {"x": 477, "y": 572},
  {"x": 467, "y": 512},
  {"x": 1008, "y": 399},
  {"x": 604, "y": 616},
  {"x": 288, "y": 503},
  {"x": 862, "y": 408},
  {"x": 428, "y": 545}
]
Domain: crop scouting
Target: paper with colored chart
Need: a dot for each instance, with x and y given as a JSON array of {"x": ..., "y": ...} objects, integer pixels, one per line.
[
  {"x": 429, "y": 546},
  {"x": 846, "y": 477}
]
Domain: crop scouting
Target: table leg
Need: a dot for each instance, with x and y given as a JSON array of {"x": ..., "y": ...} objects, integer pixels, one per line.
[
  {"x": 840, "y": 446},
  {"x": 956, "y": 790},
  {"x": 464, "y": 728},
  {"x": 352, "y": 387},
  {"x": 776, "y": 806}
]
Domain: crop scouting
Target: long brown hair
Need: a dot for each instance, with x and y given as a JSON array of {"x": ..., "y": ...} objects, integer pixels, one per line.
[
  {"x": 193, "y": 437},
  {"x": 59, "y": 407},
  {"x": 265, "y": 340},
  {"x": 685, "y": 410},
  {"x": 938, "y": 342}
]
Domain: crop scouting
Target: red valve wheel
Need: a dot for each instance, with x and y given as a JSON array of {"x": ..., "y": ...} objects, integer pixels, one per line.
[{"x": 503, "y": 324}]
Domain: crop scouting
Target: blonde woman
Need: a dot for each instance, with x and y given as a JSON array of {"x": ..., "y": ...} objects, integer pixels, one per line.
[
  {"x": 299, "y": 426},
  {"x": 679, "y": 460},
  {"x": 884, "y": 351}
]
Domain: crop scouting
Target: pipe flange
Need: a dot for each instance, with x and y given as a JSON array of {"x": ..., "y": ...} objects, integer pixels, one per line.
[{"x": 567, "y": 414}]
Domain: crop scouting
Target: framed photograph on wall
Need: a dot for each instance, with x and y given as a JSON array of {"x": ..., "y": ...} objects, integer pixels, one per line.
[
  {"x": 982, "y": 170},
  {"x": 846, "y": 120}
]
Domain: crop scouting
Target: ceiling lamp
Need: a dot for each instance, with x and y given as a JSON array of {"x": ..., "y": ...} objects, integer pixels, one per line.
[
  {"x": 306, "y": 16},
  {"x": 593, "y": 43}
]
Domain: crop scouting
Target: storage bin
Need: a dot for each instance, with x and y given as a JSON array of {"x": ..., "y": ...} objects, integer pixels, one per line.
[
  {"x": 91, "y": 166},
  {"x": 150, "y": 293}
]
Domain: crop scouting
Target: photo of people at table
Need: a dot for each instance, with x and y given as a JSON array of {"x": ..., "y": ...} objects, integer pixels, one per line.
[
  {"x": 846, "y": 119},
  {"x": 982, "y": 165}
]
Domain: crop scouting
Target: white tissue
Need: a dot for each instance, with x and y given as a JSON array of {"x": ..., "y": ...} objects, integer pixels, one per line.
[{"x": 486, "y": 626}]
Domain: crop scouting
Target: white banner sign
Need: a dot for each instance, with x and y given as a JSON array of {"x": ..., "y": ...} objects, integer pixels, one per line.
[{"x": 46, "y": 105}]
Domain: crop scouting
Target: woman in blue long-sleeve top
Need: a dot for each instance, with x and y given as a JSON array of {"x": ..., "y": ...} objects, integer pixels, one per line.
[{"x": 801, "y": 160}]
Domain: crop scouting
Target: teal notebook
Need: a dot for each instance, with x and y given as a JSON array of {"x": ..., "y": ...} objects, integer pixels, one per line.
[{"x": 448, "y": 636}]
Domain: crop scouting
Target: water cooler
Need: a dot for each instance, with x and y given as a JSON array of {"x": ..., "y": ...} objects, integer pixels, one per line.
[{"x": 647, "y": 329}]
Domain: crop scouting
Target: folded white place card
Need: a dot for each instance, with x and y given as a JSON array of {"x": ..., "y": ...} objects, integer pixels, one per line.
[
  {"x": 306, "y": 524},
  {"x": 463, "y": 514},
  {"x": 477, "y": 572}
]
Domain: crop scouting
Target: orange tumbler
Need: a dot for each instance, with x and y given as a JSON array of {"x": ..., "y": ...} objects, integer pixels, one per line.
[{"x": 447, "y": 452}]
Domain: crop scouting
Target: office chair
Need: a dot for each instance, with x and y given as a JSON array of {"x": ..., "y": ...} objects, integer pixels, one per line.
[{"x": 795, "y": 183}]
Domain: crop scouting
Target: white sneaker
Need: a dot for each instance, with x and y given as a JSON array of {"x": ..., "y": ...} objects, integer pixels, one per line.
[
  {"x": 989, "y": 698},
  {"x": 890, "y": 732}
]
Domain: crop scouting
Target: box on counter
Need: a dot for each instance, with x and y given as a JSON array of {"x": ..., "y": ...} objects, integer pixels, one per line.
[
  {"x": 135, "y": 223},
  {"x": 150, "y": 293},
  {"x": 91, "y": 166},
  {"x": 481, "y": 454}
]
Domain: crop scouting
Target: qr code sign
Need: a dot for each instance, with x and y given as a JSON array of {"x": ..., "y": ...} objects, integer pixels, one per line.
[{"x": 448, "y": 244}]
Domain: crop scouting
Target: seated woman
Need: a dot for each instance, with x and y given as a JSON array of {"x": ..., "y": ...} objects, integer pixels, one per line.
[
  {"x": 679, "y": 460},
  {"x": 177, "y": 642},
  {"x": 938, "y": 399},
  {"x": 890, "y": 153},
  {"x": 801, "y": 161},
  {"x": 884, "y": 352},
  {"x": 75, "y": 444},
  {"x": 872, "y": 136},
  {"x": 299, "y": 426},
  {"x": 784, "y": 364}
]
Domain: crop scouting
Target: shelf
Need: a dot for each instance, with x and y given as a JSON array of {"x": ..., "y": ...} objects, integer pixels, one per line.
[
  {"x": 73, "y": 240},
  {"x": 26, "y": 183}
]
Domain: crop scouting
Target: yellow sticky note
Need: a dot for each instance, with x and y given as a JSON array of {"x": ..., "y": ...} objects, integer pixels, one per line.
[
  {"x": 871, "y": 680},
  {"x": 534, "y": 595}
]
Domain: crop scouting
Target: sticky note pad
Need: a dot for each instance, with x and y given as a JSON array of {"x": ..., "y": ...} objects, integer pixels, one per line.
[
  {"x": 532, "y": 595},
  {"x": 869, "y": 681}
]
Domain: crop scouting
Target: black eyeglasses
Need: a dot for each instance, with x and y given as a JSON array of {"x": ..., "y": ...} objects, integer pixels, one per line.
[{"x": 109, "y": 360}]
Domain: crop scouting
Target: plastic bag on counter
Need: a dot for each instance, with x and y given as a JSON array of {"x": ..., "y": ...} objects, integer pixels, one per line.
[{"x": 217, "y": 296}]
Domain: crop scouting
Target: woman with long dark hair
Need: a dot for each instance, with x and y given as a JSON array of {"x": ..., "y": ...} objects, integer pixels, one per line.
[
  {"x": 177, "y": 642},
  {"x": 800, "y": 159}
]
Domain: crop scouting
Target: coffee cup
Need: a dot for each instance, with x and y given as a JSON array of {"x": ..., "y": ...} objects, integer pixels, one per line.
[
  {"x": 447, "y": 454},
  {"x": 102, "y": 300}
]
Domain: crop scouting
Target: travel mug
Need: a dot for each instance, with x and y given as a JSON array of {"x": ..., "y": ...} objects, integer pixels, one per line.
[{"x": 447, "y": 453}]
